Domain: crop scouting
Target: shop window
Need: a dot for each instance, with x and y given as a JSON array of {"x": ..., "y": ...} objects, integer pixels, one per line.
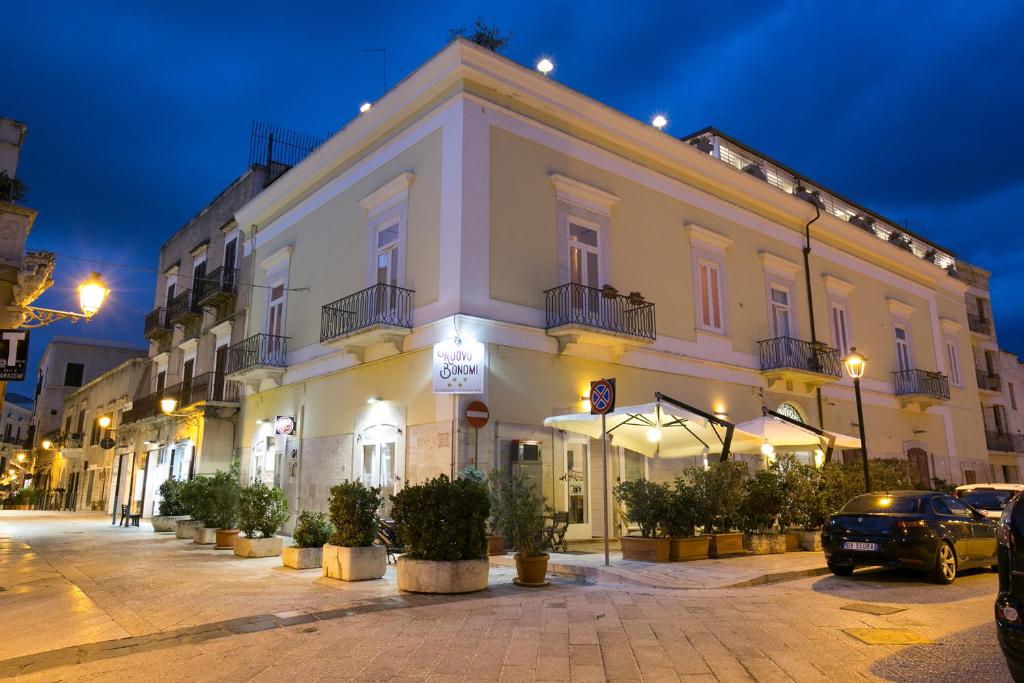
[{"x": 73, "y": 374}]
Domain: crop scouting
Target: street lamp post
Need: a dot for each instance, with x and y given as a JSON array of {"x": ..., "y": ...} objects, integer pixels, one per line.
[
  {"x": 91, "y": 294},
  {"x": 855, "y": 364}
]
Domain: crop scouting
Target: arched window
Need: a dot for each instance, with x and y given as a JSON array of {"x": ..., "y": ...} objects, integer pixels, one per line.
[{"x": 791, "y": 411}]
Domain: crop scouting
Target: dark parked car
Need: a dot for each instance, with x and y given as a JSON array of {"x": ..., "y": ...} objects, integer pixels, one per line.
[
  {"x": 924, "y": 530},
  {"x": 1010, "y": 600}
]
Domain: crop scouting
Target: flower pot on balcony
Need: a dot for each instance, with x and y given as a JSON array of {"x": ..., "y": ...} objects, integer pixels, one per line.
[
  {"x": 355, "y": 564},
  {"x": 495, "y": 545},
  {"x": 765, "y": 544},
  {"x": 297, "y": 557},
  {"x": 430, "y": 576},
  {"x": 257, "y": 547},
  {"x": 645, "y": 549},
  {"x": 726, "y": 544},
  {"x": 811, "y": 540},
  {"x": 792, "y": 541},
  {"x": 226, "y": 539},
  {"x": 204, "y": 536},
  {"x": 166, "y": 523},
  {"x": 531, "y": 570},
  {"x": 689, "y": 548}
]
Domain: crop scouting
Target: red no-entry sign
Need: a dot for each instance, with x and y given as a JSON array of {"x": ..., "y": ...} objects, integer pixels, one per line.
[{"x": 477, "y": 414}]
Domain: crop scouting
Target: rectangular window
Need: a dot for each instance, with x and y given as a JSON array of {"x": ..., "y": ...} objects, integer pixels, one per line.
[
  {"x": 710, "y": 290},
  {"x": 80, "y": 430},
  {"x": 840, "y": 330},
  {"x": 387, "y": 254},
  {"x": 161, "y": 380},
  {"x": 172, "y": 285},
  {"x": 953, "y": 361},
  {"x": 903, "y": 358},
  {"x": 999, "y": 415},
  {"x": 1013, "y": 395},
  {"x": 94, "y": 434},
  {"x": 275, "y": 311},
  {"x": 230, "y": 250},
  {"x": 780, "y": 312},
  {"x": 73, "y": 374},
  {"x": 584, "y": 258}
]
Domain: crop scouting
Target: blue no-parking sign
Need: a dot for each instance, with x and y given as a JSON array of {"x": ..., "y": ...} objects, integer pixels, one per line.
[{"x": 602, "y": 396}]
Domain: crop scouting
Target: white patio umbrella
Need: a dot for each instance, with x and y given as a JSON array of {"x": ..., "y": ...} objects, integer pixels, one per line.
[{"x": 782, "y": 434}]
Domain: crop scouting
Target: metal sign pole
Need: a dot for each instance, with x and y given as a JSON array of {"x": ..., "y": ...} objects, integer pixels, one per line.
[{"x": 604, "y": 467}]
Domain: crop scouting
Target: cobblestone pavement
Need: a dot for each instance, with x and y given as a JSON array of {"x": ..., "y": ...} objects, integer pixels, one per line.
[{"x": 84, "y": 601}]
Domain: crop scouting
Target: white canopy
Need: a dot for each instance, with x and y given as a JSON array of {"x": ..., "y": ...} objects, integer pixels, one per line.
[
  {"x": 683, "y": 433},
  {"x": 782, "y": 434}
]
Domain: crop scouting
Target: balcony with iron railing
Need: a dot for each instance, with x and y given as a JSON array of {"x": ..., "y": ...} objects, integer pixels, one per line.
[
  {"x": 379, "y": 313},
  {"x": 988, "y": 381},
  {"x": 921, "y": 385},
  {"x": 791, "y": 360},
  {"x": 207, "y": 388},
  {"x": 156, "y": 325},
  {"x": 1007, "y": 443},
  {"x": 261, "y": 356},
  {"x": 576, "y": 313},
  {"x": 979, "y": 324},
  {"x": 183, "y": 309},
  {"x": 73, "y": 441},
  {"x": 217, "y": 287}
]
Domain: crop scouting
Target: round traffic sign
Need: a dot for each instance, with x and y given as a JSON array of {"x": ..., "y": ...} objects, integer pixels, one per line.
[
  {"x": 602, "y": 397},
  {"x": 107, "y": 443},
  {"x": 477, "y": 414}
]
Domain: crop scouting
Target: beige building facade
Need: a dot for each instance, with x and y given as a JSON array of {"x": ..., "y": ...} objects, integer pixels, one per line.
[{"x": 481, "y": 203}]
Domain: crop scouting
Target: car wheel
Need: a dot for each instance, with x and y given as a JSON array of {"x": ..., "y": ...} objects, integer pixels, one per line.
[
  {"x": 841, "y": 569},
  {"x": 944, "y": 570}
]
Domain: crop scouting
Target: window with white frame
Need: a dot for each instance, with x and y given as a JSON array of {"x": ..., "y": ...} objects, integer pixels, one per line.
[
  {"x": 781, "y": 313},
  {"x": 840, "y": 328},
  {"x": 171, "y": 287},
  {"x": 710, "y": 313},
  {"x": 904, "y": 360},
  {"x": 275, "y": 309},
  {"x": 388, "y": 252},
  {"x": 387, "y": 214},
  {"x": 584, "y": 255},
  {"x": 953, "y": 363}
]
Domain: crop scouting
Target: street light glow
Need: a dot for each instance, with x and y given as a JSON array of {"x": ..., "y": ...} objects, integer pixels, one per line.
[
  {"x": 767, "y": 449},
  {"x": 91, "y": 294},
  {"x": 855, "y": 364},
  {"x": 103, "y": 421},
  {"x": 168, "y": 405},
  {"x": 659, "y": 121},
  {"x": 46, "y": 444},
  {"x": 545, "y": 66},
  {"x": 21, "y": 457}
]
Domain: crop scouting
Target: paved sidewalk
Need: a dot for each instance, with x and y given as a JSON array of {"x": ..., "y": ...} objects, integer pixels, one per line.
[{"x": 732, "y": 572}]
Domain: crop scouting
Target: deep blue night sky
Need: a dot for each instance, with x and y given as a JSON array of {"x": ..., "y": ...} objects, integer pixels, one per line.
[{"x": 139, "y": 113}]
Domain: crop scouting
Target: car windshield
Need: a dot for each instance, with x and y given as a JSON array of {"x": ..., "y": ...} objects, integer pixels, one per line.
[
  {"x": 880, "y": 503},
  {"x": 986, "y": 500}
]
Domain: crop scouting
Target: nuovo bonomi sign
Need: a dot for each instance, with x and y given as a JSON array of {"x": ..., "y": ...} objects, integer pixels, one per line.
[{"x": 459, "y": 367}]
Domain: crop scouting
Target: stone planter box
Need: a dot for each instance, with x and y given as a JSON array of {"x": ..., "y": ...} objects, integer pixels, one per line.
[
  {"x": 495, "y": 545},
  {"x": 792, "y": 541},
  {"x": 184, "y": 528},
  {"x": 257, "y": 547},
  {"x": 226, "y": 539},
  {"x": 765, "y": 544},
  {"x": 725, "y": 544},
  {"x": 166, "y": 523},
  {"x": 810, "y": 540},
  {"x": 302, "y": 558},
  {"x": 355, "y": 564},
  {"x": 645, "y": 549},
  {"x": 204, "y": 536},
  {"x": 689, "y": 548},
  {"x": 428, "y": 576}
]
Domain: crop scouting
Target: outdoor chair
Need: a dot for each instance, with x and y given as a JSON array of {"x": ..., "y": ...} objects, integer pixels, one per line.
[
  {"x": 128, "y": 519},
  {"x": 387, "y": 536},
  {"x": 554, "y": 535}
]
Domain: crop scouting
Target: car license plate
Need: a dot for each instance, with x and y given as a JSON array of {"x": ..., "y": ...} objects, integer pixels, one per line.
[{"x": 859, "y": 545}]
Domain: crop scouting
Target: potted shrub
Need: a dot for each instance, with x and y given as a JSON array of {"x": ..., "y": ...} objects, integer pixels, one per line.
[
  {"x": 312, "y": 531},
  {"x": 681, "y": 522},
  {"x": 827, "y": 492},
  {"x": 517, "y": 510},
  {"x": 223, "y": 499},
  {"x": 794, "y": 487},
  {"x": 719, "y": 491},
  {"x": 350, "y": 555},
  {"x": 262, "y": 510},
  {"x": 172, "y": 508},
  {"x": 759, "y": 513},
  {"x": 495, "y": 540},
  {"x": 443, "y": 524},
  {"x": 196, "y": 497},
  {"x": 647, "y": 505}
]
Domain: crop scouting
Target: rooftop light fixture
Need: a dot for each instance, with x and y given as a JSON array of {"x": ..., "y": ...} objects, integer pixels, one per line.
[
  {"x": 365, "y": 107},
  {"x": 545, "y": 66},
  {"x": 659, "y": 121}
]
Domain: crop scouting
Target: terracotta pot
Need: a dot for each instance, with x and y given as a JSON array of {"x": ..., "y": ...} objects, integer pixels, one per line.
[
  {"x": 645, "y": 549},
  {"x": 689, "y": 548},
  {"x": 765, "y": 544},
  {"x": 495, "y": 545},
  {"x": 226, "y": 539},
  {"x": 810, "y": 540},
  {"x": 725, "y": 544},
  {"x": 792, "y": 541},
  {"x": 531, "y": 570}
]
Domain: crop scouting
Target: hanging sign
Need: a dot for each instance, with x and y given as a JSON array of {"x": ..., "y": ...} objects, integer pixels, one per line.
[
  {"x": 284, "y": 425},
  {"x": 459, "y": 367},
  {"x": 13, "y": 355}
]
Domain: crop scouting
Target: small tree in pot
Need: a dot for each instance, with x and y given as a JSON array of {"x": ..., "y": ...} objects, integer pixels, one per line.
[
  {"x": 495, "y": 539},
  {"x": 759, "y": 513},
  {"x": 261, "y": 512},
  {"x": 198, "y": 500},
  {"x": 443, "y": 523},
  {"x": 719, "y": 492},
  {"x": 312, "y": 531},
  {"x": 681, "y": 523},
  {"x": 224, "y": 494},
  {"x": 794, "y": 486},
  {"x": 647, "y": 505},
  {"x": 350, "y": 555},
  {"x": 172, "y": 507},
  {"x": 517, "y": 510}
]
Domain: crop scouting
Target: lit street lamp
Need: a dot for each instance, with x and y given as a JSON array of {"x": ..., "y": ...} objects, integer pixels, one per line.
[
  {"x": 855, "y": 364},
  {"x": 91, "y": 294},
  {"x": 103, "y": 421}
]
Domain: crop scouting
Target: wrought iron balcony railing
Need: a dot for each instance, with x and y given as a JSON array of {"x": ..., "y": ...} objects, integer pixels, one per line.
[
  {"x": 988, "y": 381},
  {"x": 1001, "y": 441},
  {"x": 207, "y": 387},
  {"x": 377, "y": 305},
  {"x": 183, "y": 308},
  {"x": 599, "y": 309},
  {"x": 73, "y": 441},
  {"x": 259, "y": 350},
  {"x": 797, "y": 354},
  {"x": 216, "y": 286},
  {"x": 921, "y": 383},
  {"x": 978, "y": 324},
  {"x": 156, "y": 324}
]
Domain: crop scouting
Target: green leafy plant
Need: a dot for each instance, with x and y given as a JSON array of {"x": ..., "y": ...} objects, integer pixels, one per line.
[
  {"x": 223, "y": 494},
  {"x": 262, "y": 510},
  {"x": 312, "y": 530},
  {"x": 794, "y": 481},
  {"x": 517, "y": 511},
  {"x": 194, "y": 497},
  {"x": 647, "y": 505},
  {"x": 354, "y": 508},
  {"x": 11, "y": 190},
  {"x": 171, "y": 502},
  {"x": 943, "y": 485},
  {"x": 683, "y": 509},
  {"x": 762, "y": 503},
  {"x": 719, "y": 492},
  {"x": 443, "y": 520},
  {"x": 473, "y": 474},
  {"x": 483, "y": 35}
]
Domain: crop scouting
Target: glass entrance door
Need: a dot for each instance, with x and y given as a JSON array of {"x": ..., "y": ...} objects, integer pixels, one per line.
[
  {"x": 577, "y": 489},
  {"x": 378, "y": 457}
]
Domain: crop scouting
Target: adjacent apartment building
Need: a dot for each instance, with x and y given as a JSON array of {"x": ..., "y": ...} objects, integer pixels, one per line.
[{"x": 483, "y": 216}]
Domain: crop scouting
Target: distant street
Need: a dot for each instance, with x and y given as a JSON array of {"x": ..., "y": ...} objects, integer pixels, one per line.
[{"x": 131, "y": 605}]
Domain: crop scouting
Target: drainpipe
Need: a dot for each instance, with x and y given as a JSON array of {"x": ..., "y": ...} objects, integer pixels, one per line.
[{"x": 810, "y": 293}]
